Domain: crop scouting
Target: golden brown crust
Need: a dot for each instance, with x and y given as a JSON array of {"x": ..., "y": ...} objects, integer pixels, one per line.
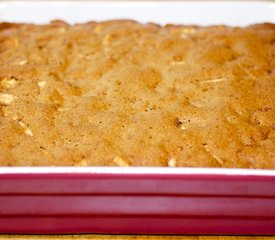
[{"x": 119, "y": 93}]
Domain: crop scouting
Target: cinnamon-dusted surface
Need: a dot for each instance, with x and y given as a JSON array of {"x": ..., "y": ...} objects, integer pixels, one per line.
[{"x": 119, "y": 93}]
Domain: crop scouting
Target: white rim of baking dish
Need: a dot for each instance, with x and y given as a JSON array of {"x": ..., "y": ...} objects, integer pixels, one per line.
[
  {"x": 138, "y": 170},
  {"x": 136, "y": 1}
]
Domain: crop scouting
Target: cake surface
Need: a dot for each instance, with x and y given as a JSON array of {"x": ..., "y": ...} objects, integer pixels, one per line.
[{"x": 120, "y": 93}]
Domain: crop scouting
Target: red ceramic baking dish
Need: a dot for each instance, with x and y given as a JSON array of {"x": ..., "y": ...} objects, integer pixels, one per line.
[
  {"x": 137, "y": 200},
  {"x": 38, "y": 200}
]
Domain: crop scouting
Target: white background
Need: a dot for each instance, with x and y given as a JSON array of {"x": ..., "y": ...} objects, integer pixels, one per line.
[{"x": 239, "y": 13}]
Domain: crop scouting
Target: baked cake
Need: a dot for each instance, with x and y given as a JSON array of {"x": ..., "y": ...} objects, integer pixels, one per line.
[{"x": 121, "y": 93}]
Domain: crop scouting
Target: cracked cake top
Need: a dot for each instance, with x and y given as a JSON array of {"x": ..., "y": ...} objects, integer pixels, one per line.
[{"x": 121, "y": 93}]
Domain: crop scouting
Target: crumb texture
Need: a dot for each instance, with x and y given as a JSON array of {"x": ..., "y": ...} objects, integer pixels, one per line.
[{"x": 120, "y": 93}]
